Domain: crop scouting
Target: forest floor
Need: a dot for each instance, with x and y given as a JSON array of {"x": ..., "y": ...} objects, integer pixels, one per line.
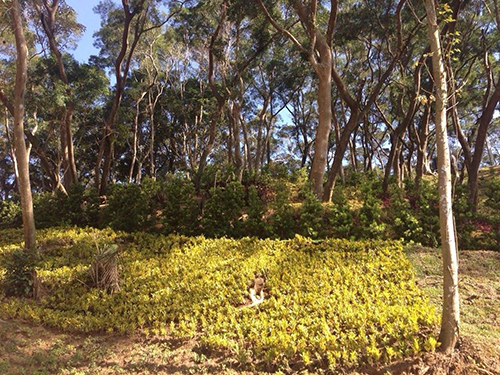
[{"x": 27, "y": 348}]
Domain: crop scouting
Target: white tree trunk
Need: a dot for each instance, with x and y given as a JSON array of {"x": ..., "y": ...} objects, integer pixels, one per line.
[
  {"x": 19, "y": 143},
  {"x": 451, "y": 309}
]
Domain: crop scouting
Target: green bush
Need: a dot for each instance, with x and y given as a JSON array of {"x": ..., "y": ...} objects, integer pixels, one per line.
[
  {"x": 370, "y": 223},
  {"x": 10, "y": 214},
  {"x": 327, "y": 303},
  {"x": 19, "y": 268},
  {"x": 80, "y": 206},
  {"x": 464, "y": 220},
  {"x": 403, "y": 223},
  {"x": 180, "y": 209},
  {"x": 425, "y": 205},
  {"x": 223, "y": 210},
  {"x": 492, "y": 209},
  {"x": 281, "y": 218},
  {"x": 310, "y": 223},
  {"x": 130, "y": 207},
  {"x": 255, "y": 224},
  {"x": 47, "y": 209},
  {"x": 339, "y": 217}
]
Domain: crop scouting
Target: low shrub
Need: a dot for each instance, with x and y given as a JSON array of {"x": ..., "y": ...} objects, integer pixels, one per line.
[
  {"x": 328, "y": 303},
  {"x": 223, "y": 211},
  {"x": 10, "y": 214},
  {"x": 19, "y": 273},
  {"x": 339, "y": 217},
  {"x": 131, "y": 207},
  {"x": 180, "y": 209}
]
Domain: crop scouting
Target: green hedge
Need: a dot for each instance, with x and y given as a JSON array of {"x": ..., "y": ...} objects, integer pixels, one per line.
[{"x": 329, "y": 303}]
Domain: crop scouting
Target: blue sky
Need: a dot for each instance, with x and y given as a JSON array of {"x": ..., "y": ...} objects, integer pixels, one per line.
[{"x": 87, "y": 17}]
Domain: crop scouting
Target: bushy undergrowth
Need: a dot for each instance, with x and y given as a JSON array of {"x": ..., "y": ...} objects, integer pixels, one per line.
[
  {"x": 328, "y": 303},
  {"x": 270, "y": 206}
]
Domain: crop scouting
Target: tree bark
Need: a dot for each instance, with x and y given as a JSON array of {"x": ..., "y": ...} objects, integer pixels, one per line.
[
  {"x": 47, "y": 13},
  {"x": 451, "y": 311},
  {"x": 19, "y": 143}
]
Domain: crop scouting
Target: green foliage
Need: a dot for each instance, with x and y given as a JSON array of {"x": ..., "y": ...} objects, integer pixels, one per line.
[
  {"x": 281, "y": 220},
  {"x": 339, "y": 218},
  {"x": 131, "y": 207},
  {"x": 223, "y": 210},
  {"x": 370, "y": 224},
  {"x": 255, "y": 225},
  {"x": 79, "y": 207},
  {"x": 464, "y": 219},
  {"x": 405, "y": 225},
  {"x": 310, "y": 214},
  {"x": 46, "y": 207},
  {"x": 19, "y": 271},
  {"x": 492, "y": 192},
  {"x": 425, "y": 205},
  {"x": 333, "y": 302},
  {"x": 10, "y": 214},
  {"x": 180, "y": 209}
]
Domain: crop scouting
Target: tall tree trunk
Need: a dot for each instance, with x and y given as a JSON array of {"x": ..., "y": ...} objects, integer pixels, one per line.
[
  {"x": 451, "y": 310},
  {"x": 422, "y": 136},
  {"x": 19, "y": 143},
  {"x": 122, "y": 67},
  {"x": 318, "y": 166},
  {"x": 47, "y": 13},
  {"x": 12, "y": 150}
]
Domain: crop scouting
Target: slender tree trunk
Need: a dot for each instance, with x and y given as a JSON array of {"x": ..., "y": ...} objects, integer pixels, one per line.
[
  {"x": 12, "y": 149},
  {"x": 422, "y": 140},
  {"x": 451, "y": 311},
  {"x": 318, "y": 165},
  {"x": 19, "y": 143},
  {"x": 47, "y": 13},
  {"x": 135, "y": 136}
]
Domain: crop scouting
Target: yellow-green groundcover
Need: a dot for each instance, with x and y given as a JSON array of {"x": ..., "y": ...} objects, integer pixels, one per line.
[{"x": 334, "y": 302}]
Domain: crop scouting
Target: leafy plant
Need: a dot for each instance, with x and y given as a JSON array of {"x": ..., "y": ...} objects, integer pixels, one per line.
[
  {"x": 223, "y": 210},
  {"x": 10, "y": 214},
  {"x": 180, "y": 208},
  {"x": 19, "y": 276},
  {"x": 332, "y": 302},
  {"x": 339, "y": 217}
]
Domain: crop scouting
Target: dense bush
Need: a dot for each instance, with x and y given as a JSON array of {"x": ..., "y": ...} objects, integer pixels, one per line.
[
  {"x": 403, "y": 223},
  {"x": 131, "y": 207},
  {"x": 310, "y": 216},
  {"x": 10, "y": 214},
  {"x": 275, "y": 204},
  {"x": 327, "y": 303},
  {"x": 180, "y": 209},
  {"x": 223, "y": 210},
  {"x": 339, "y": 216},
  {"x": 370, "y": 222},
  {"x": 281, "y": 216},
  {"x": 425, "y": 206},
  {"x": 491, "y": 214},
  {"x": 255, "y": 224},
  {"x": 19, "y": 270}
]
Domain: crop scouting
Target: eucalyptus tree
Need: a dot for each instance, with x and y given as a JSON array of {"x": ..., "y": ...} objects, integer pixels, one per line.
[
  {"x": 451, "y": 309},
  {"x": 229, "y": 32},
  {"x": 122, "y": 29},
  {"x": 317, "y": 44},
  {"x": 472, "y": 61},
  {"x": 17, "y": 110},
  {"x": 60, "y": 27},
  {"x": 359, "y": 64}
]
